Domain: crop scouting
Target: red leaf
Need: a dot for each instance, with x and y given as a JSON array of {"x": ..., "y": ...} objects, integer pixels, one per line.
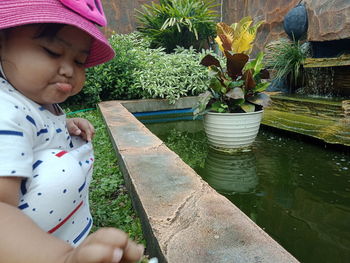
[
  {"x": 264, "y": 74},
  {"x": 209, "y": 60},
  {"x": 235, "y": 64},
  {"x": 249, "y": 80},
  {"x": 226, "y": 43}
]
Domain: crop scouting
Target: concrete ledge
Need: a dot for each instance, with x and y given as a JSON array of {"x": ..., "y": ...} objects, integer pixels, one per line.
[{"x": 184, "y": 219}]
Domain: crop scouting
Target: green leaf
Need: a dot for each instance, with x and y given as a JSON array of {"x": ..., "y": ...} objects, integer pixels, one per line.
[
  {"x": 218, "y": 106},
  {"x": 215, "y": 84},
  {"x": 235, "y": 93},
  {"x": 214, "y": 71},
  {"x": 223, "y": 90},
  {"x": 261, "y": 99},
  {"x": 261, "y": 87},
  {"x": 233, "y": 84},
  {"x": 238, "y": 102},
  {"x": 202, "y": 103},
  {"x": 247, "y": 107},
  {"x": 256, "y": 65}
]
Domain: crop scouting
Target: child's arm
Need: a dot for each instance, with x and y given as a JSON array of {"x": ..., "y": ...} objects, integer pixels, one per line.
[
  {"x": 23, "y": 241},
  {"x": 80, "y": 127}
]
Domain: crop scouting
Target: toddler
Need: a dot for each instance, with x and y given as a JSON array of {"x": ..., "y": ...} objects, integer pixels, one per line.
[{"x": 45, "y": 47}]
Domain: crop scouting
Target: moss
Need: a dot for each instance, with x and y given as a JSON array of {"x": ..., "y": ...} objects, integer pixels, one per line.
[
  {"x": 298, "y": 98},
  {"x": 328, "y": 130}
]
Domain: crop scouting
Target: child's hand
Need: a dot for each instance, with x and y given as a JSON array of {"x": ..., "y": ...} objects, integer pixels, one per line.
[
  {"x": 80, "y": 127},
  {"x": 107, "y": 245}
]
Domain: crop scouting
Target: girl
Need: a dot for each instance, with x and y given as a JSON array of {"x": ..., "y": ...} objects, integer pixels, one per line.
[{"x": 45, "y": 46}]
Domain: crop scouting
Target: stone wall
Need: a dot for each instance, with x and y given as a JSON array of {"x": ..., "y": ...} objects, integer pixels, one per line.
[
  {"x": 328, "y": 19},
  {"x": 271, "y": 11}
]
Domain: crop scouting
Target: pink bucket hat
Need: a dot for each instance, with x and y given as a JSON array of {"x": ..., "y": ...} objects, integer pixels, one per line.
[{"x": 83, "y": 14}]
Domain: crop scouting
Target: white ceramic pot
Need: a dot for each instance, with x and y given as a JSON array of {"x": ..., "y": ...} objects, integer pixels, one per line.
[{"x": 232, "y": 130}]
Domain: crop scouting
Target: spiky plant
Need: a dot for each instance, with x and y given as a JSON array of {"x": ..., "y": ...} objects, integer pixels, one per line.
[{"x": 286, "y": 58}]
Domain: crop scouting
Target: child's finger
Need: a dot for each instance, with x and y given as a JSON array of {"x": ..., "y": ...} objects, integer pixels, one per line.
[
  {"x": 75, "y": 130},
  {"x": 90, "y": 132},
  {"x": 97, "y": 253},
  {"x": 72, "y": 127},
  {"x": 117, "y": 239},
  {"x": 87, "y": 129},
  {"x": 133, "y": 252},
  {"x": 109, "y": 236}
]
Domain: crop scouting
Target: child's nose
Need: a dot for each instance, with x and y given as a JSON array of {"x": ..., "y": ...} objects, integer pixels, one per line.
[{"x": 66, "y": 69}]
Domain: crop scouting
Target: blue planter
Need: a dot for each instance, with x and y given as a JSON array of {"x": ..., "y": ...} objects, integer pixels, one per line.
[{"x": 296, "y": 22}]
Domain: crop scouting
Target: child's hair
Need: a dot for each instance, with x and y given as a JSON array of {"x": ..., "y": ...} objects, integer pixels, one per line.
[
  {"x": 48, "y": 30},
  {"x": 52, "y": 15}
]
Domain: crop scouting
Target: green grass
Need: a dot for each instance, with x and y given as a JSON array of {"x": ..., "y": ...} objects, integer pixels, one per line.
[{"x": 109, "y": 200}]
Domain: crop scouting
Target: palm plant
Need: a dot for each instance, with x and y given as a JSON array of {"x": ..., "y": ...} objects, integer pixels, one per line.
[{"x": 174, "y": 23}]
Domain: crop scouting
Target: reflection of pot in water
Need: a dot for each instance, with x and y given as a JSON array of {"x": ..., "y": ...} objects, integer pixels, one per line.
[{"x": 231, "y": 173}]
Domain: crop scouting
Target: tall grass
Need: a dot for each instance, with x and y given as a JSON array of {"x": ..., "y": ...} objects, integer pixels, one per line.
[{"x": 286, "y": 58}]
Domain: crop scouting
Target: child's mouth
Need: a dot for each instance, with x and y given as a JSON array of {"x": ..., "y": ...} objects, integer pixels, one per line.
[{"x": 64, "y": 87}]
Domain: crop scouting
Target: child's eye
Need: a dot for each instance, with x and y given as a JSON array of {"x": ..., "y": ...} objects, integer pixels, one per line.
[
  {"x": 79, "y": 63},
  {"x": 51, "y": 53}
]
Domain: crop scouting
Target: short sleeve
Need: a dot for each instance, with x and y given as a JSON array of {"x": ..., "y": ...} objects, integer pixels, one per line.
[{"x": 16, "y": 139}]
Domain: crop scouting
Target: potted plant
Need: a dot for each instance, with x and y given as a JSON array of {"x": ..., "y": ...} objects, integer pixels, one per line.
[{"x": 233, "y": 104}]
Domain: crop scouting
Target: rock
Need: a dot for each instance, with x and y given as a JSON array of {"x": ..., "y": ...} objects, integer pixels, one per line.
[{"x": 328, "y": 19}]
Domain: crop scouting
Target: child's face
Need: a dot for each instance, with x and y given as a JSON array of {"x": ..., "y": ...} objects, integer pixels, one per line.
[{"x": 45, "y": 70}]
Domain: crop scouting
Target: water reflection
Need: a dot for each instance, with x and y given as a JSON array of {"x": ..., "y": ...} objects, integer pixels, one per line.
[
  {"x": 297, "y": 192},
  {"x": 302, "y": 199},
  {"x": 231, "y": 173}
]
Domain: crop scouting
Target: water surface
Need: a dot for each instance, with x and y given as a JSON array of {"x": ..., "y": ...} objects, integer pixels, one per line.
[{"x": 299, "y": 193}]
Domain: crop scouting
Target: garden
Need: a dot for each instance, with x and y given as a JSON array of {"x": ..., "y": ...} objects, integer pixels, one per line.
[{"x": 184, "y": 50}]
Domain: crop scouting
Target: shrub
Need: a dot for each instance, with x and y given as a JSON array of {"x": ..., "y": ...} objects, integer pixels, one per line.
[
  {"x": 171, "y": 76},
  {"x": 114, "y": 79},
  {"x": 138, "y": 72}
]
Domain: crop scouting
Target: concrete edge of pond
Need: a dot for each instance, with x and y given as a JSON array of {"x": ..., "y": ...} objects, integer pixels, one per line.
[{"x": 183, "y": 218}]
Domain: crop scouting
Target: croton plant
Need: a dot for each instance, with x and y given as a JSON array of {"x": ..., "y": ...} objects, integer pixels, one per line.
[{"x": 237, "y": 87}]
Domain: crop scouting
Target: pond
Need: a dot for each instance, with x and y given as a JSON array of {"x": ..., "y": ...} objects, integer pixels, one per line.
[{"x": 298, "y": 192}]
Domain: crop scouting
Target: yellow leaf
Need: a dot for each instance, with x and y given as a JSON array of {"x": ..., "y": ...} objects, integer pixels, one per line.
[
  {"x": 219, "y": 42},
  {"x": 239, "y": 37},
  {"x": 244, "y": 43}
]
